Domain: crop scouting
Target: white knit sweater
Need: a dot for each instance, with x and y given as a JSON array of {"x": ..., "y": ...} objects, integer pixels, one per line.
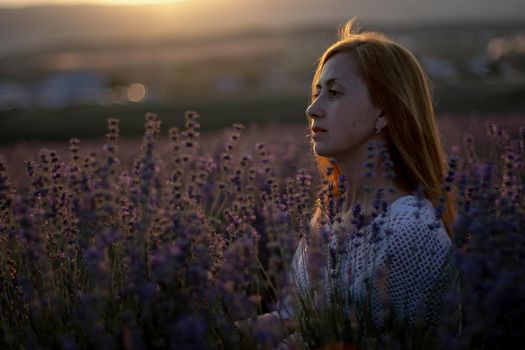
[{"x": 407, "y": 241}]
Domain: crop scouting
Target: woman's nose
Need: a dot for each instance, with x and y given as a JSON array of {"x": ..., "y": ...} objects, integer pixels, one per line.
[{"x": 313, "y": 111}]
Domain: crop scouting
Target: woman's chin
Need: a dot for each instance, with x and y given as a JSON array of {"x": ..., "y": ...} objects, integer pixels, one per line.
[{"x": 321, "y": 151}]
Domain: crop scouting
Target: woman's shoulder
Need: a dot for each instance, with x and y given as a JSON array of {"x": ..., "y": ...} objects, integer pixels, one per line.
[
  {"x": 414, "y": 218},
  {"x": 410, "y": 208}
]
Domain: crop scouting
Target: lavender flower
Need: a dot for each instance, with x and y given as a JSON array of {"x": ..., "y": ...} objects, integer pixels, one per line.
[{"x": 171, "y": 246}]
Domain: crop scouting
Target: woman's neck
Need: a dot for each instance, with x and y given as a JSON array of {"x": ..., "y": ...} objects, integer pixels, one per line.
[{"x": 362, "y": 182}]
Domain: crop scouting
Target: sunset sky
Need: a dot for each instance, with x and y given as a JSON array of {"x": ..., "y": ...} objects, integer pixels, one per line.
[{"x": 24, "y": 3}]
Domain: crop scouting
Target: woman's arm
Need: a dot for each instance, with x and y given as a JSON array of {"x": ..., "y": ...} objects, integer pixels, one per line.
[{"x": 419, "y": 269}]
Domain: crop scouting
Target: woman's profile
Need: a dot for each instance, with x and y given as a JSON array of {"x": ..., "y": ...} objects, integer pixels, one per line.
[{"x": 377, "y": 145}]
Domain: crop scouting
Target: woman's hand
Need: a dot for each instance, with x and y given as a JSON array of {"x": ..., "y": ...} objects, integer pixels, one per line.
[
  {"x": 268, "y": 321},
  {"x": 244, "y": 325}
]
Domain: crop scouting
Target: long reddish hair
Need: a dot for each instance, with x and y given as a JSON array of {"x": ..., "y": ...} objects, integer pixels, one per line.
[{"x": 399, "y": 86}]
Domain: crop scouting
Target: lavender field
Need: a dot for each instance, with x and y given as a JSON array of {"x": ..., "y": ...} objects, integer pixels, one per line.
[{"x": 181, "y": 240}]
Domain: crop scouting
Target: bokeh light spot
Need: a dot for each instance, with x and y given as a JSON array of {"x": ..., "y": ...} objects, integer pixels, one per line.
[{"x": 136, "y": 92}]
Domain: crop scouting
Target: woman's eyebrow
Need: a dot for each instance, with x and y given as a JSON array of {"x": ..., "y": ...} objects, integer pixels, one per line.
[{"x": 328, "y": 83}]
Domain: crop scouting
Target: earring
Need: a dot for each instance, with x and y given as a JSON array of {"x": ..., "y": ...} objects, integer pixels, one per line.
[{"x": 378, "y": 129}]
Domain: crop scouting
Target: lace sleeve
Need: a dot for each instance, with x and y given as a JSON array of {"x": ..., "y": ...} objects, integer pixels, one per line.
[{"x": 420, "y": 268}]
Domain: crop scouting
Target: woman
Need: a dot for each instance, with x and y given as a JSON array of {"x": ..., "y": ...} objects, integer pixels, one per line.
[{"x": 368, "y": 91}]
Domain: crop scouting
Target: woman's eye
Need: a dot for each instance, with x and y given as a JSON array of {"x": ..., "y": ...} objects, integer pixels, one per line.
[{"x": 331, "y": 93}]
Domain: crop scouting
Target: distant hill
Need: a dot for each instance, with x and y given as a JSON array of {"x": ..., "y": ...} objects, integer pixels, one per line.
[{"x": 31, "y": 28}]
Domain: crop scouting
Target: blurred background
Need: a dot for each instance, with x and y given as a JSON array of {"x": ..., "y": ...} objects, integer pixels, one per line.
[{"x": 68, "y": 65}]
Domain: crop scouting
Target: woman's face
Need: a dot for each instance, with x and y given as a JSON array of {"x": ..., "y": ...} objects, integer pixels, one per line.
[{"x": 342, "y": 118}]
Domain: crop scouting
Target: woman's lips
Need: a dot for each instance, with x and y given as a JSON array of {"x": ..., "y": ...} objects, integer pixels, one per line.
[{"x": 317, "y": 129}]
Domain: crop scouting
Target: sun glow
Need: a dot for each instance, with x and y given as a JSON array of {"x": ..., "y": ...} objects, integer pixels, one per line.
[
  {"x": 25, "y": 3},
  {"x": 139, "y": 2}
]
